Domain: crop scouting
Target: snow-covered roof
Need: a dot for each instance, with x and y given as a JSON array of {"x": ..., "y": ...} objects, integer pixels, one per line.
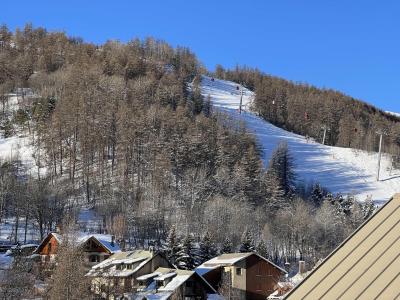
[
  {"x": 165, "y": 276},
  {"x": 148, "y": 296},
  {"x": 110, "y": 267},
  {"x": 105, "y": 240},
  {"x": 148, "y": 276},
  {"x": 226, "y": 259},
  {"x": 202, "y": 270},
  {"x": 230, "y": 259},
  {"x": 174, "y": 279}
]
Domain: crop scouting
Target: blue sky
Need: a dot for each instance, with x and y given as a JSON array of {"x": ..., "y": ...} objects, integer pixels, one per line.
[{"x": 352, "y": 46}]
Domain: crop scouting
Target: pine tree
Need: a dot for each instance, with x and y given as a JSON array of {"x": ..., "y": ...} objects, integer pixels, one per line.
[
  {"x": 346, "y": 205},
  {"x": 227, "y": 246},
  {"x": 187, "y": 257},
  {"x": 317, "y": 195},
  {"x": 207, "y": 107},
  {"x": 368, "y": 208},
  {"x": 207, "y": 249},
  {"x": 172, "y": 245},
  {"x": 262, "y": 249},
  {"x": 281, "y": 165},
  {"x": 274, "y": 195},
  {"x": 247, "y": 242}
]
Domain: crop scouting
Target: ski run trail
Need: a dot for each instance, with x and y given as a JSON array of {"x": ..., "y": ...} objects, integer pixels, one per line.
[{"x": 344, "y": 170}]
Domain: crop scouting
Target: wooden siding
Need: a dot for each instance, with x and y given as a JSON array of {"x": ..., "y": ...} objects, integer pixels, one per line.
[
  {"x": 261, "y": 278},
  {"x": 49, "y": 247}
]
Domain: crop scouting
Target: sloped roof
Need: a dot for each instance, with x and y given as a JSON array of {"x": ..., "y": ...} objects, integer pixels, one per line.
[
  {"x": 108, "y": 267},
  {"x": 177, "y": 278},
  {"x": 230, "y": 259},
  {"x": 365, "y": 266},
  {"x": 104, "y": 239}
]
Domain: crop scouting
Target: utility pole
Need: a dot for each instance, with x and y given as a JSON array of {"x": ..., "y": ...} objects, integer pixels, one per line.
[
  {"x": 325, "y": 129},
  {"x": 381, "y": 133},
  {"x": 241, "y": 99}
]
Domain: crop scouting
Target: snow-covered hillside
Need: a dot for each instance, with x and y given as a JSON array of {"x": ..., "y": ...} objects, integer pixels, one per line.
[
  {"x": 18, "y": 146},
  {"x": 343, "y": 170},
  {"x": 393, "y": 113}
]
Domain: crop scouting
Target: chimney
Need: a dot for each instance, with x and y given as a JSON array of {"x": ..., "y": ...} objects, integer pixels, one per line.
[
  {"x": 113, "y": 240},
  {"x": 302, "y": 266}
]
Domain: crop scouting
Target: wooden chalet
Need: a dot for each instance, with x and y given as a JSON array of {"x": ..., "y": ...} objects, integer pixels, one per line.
[
  {"x": 245, "y": 275},
  {"x": 118, "y": 274},
  {"x": 168, "y": 283},
  {"x": 96, "y": 247}
]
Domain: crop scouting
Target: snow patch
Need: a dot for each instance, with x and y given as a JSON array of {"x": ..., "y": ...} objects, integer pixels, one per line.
[{"x": 340, "y": 170}]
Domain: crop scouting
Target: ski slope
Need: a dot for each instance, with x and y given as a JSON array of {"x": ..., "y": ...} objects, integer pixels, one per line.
[{"x": 343, "y": 170}]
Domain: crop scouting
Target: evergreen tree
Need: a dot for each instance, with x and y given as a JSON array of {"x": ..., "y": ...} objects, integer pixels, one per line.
[
  {"x": 368, "y": 208},
  {"x": 227, "y": 246},
  {"x": 274, "y": 195},
  {"x": 207, "y": 249},
  {"x": 346, "y": 205},
  {"x": 207, "y": 107},
  {"x": 281, "y": 165},
  {"x": 172, "y": 245},
  {"x": 262, "y": 249},
  {"x": 187, "y": 257},
  {"x": 247, "y": 244},
  {"x": 317, "y": 195}
]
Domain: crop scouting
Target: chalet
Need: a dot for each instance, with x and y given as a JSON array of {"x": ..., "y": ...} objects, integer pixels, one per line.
[
  {"x": 365, "y": 266},
  {"x": 246, "y": 275},
  {"x": 167, "y": 283},
  {"x": 97, "y": 247},
  {"x": 119, "y": 273}
]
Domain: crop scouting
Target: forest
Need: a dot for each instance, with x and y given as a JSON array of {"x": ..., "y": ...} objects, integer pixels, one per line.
[
  {"x": 115, "y": 127},
  {"x": 307, "y": 110}
]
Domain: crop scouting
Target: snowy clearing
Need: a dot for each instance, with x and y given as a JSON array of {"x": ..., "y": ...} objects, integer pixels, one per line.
[{"x": 343, "y": 170}]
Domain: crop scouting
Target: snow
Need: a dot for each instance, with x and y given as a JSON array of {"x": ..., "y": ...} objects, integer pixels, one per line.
[
  {"x": 108, "y": 267},
  {"x": 19, "y": 146},
  {"x": 89, "y": 220},
  {"x": 224, "y": 260},
  {"x": 393, "y": 113},
  {"x": 148, "y": 276},
  {"x": 5, "y": 261},
  {"x": 343, "y": 170},
  {"x": 7, "y": 230},
  {"x": 215, "y": 297},
  {"x": 175, "y": 282},
  {"x": 165, "y": 276}
]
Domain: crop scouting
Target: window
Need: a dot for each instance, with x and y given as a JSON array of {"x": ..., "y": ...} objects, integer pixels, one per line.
[
  {"x": 94, "y": 258},
  {"x": 49, "y": 247},
  {"x": 189, "y": 284},
  {"x": 129, "y": 266},
  {"x": 238, "y": 271}
]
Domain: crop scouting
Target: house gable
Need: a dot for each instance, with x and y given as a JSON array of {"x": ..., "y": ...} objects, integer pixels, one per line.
[
  {"x": 48, "y": 246},
  {"x": 94, "y": 245}
]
